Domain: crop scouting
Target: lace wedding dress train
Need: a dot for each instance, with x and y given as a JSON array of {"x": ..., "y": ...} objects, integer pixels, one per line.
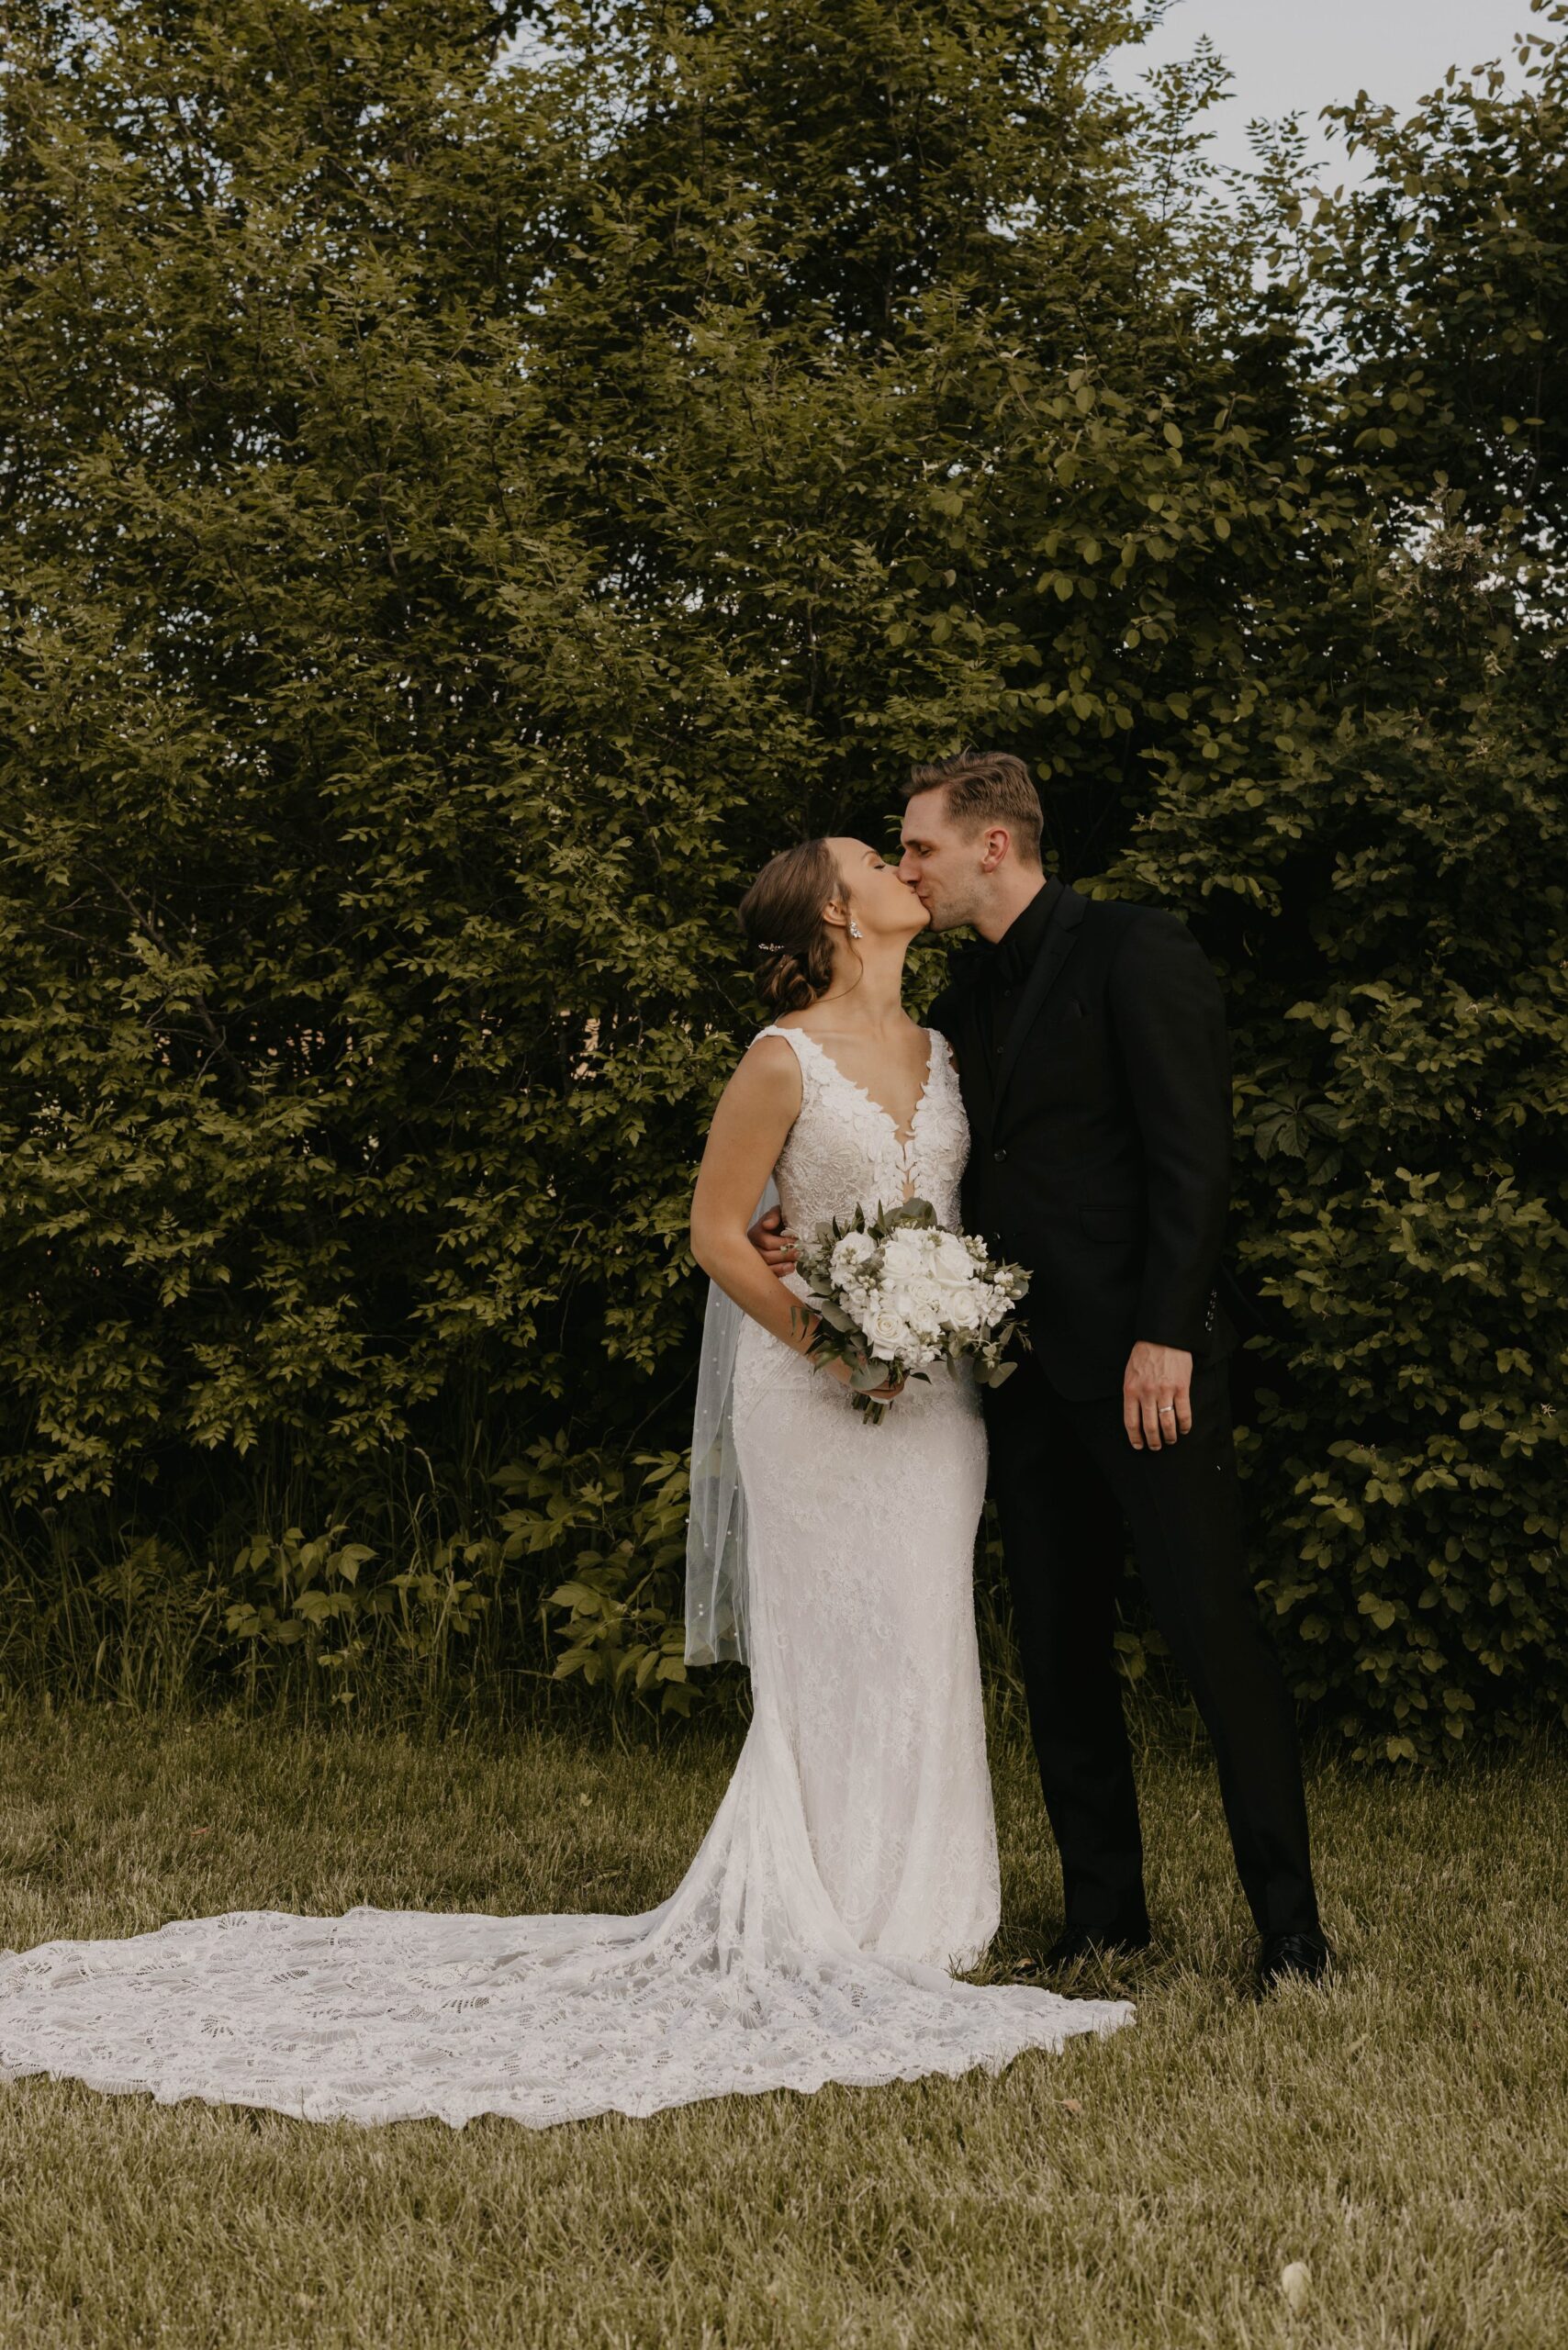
[{"x": 851, "y": 1866}]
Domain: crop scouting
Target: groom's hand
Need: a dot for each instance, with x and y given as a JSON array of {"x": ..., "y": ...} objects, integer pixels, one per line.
[
  {"x": 1157, "y": 1396},
  {"x": 773, "y": 1244}
]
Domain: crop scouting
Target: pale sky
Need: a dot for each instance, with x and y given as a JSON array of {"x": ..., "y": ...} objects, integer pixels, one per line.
[{"x": 1290, "y": 54}]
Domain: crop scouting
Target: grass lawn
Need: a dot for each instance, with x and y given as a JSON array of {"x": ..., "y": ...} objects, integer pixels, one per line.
[{"x": 1403, "y": 2131}]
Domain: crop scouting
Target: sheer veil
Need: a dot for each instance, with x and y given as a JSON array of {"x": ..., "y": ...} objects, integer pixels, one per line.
[{"x": 716, "y": 1538}]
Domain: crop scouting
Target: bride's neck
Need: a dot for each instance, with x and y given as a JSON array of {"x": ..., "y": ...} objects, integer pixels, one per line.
[{"x": 867, "y": 994}]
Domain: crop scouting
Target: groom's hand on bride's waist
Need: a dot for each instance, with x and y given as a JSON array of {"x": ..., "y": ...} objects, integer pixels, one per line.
[
  {"x": 1157, "y": 1396},
  {"x": 773, "y": 1244}
]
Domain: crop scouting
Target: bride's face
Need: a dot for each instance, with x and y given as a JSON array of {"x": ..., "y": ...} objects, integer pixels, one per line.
[{"x": 882, "y": 905}]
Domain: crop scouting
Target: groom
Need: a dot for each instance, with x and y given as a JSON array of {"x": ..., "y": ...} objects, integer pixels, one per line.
[{"x": 1091, "y": 1049}]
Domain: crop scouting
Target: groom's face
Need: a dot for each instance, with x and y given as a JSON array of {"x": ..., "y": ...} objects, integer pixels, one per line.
[{"x": 940, "y": 863}]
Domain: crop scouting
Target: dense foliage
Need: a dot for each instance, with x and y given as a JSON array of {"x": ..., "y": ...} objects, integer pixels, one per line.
[{"x": 479, "y": 479}]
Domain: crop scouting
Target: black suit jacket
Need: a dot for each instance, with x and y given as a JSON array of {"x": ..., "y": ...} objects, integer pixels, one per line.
[{"x": 1100, "y": 1150}]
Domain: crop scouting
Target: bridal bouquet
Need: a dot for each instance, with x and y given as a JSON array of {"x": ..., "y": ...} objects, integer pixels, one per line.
[{"x": 902, "y": 1291}]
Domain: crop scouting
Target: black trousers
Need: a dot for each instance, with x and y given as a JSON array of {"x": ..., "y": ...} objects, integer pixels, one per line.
[{"x": 1065, "y": 1479}]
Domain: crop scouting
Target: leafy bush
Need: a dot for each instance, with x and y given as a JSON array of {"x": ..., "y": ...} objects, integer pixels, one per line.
[
  {"x": 625, "y": 1536},
  {"x": 285, "y": 1592},
  {"x": 502, "y": 506},
  {"x": 1396, "y": 959}
]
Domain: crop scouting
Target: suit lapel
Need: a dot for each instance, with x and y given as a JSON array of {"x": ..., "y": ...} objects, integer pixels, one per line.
[{"x": 1061, "y": 939}]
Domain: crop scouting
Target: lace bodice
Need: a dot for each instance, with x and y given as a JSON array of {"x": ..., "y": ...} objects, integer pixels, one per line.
[{"x": 844, "y": 1151}]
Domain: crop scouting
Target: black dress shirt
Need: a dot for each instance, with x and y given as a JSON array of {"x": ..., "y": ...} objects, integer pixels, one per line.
[{"x": 1007, "y": 965}]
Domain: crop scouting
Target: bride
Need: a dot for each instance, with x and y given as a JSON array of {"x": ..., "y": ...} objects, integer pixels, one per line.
[{"x": 851, "y": 1870}]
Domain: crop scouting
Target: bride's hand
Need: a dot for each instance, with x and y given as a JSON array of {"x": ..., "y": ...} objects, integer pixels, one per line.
[{"x": 844, "y": 1371}]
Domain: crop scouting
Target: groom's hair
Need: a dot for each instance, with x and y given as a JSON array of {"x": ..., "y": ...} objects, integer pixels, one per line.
[{"x": 986, "y": 788}]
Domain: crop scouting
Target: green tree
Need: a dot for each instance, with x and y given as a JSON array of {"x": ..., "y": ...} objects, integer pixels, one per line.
[
  {"x": 481, "y": 478},
  {"x": 1373, "y": 832}
]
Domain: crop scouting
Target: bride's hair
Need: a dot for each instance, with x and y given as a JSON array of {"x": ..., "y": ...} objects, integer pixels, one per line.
[{"x": 781, "y": 914}]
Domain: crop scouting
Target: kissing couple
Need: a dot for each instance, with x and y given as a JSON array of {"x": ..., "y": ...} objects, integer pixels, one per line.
[{"x": 1068, "y": 1102}]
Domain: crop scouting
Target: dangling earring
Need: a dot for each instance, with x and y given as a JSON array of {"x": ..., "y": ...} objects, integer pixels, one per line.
[{"x": 854, "y": 930}]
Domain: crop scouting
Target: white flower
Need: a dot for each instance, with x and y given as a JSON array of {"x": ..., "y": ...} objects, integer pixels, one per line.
[
  {"x": 906, "y": 1252},
  {"x": 887, "y": 1333},
  {"x": 918, "y": 1301},
  {"x": 855, "y": 1251},
  {"x": 951, "y": 1262},
  {"x": 964, "y": 1309}
]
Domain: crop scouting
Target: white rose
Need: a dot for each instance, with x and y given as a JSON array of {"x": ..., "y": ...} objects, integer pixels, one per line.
[
  {"x": 887, "y": 1333},
  {"x": 918, "y": 1300},
  {"x": 963, "y": 1309},
  {"x": 951, "y": 1262}
]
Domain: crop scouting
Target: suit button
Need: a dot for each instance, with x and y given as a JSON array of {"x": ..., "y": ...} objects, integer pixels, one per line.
[{"x": 999, "y": 1156}]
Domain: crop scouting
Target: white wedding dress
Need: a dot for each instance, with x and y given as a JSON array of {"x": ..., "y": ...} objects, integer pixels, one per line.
[{"x": 851, "y": 1866}]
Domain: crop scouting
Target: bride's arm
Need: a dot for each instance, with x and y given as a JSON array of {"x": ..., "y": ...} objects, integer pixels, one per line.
[{"x": 756, "y": 1112}]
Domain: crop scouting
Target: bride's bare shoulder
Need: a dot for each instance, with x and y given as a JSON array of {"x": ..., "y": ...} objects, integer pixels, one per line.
[{"x": 768, "y": 1070}]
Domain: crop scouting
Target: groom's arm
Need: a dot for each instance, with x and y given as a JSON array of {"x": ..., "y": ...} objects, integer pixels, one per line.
[{"x": 1169, "y": 1017}]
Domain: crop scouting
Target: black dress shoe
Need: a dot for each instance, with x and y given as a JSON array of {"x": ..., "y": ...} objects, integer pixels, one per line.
[
  {"x": 1083, "y": 1945},
  {"x": 1283, "y": 1955}
]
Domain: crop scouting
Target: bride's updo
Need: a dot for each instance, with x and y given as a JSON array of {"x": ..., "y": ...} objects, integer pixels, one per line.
[{"x": 781, "y": 914}]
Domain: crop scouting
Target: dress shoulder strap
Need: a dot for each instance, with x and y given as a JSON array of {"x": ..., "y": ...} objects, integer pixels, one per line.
[
  {"x": 797, "y": 1037},
  {"x": 813, "y": 1063},
  {"x": 943, "y": 1061}
]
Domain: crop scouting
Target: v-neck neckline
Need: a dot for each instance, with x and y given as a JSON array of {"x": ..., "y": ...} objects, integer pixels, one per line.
[{"x": 904, "y": 1141}]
